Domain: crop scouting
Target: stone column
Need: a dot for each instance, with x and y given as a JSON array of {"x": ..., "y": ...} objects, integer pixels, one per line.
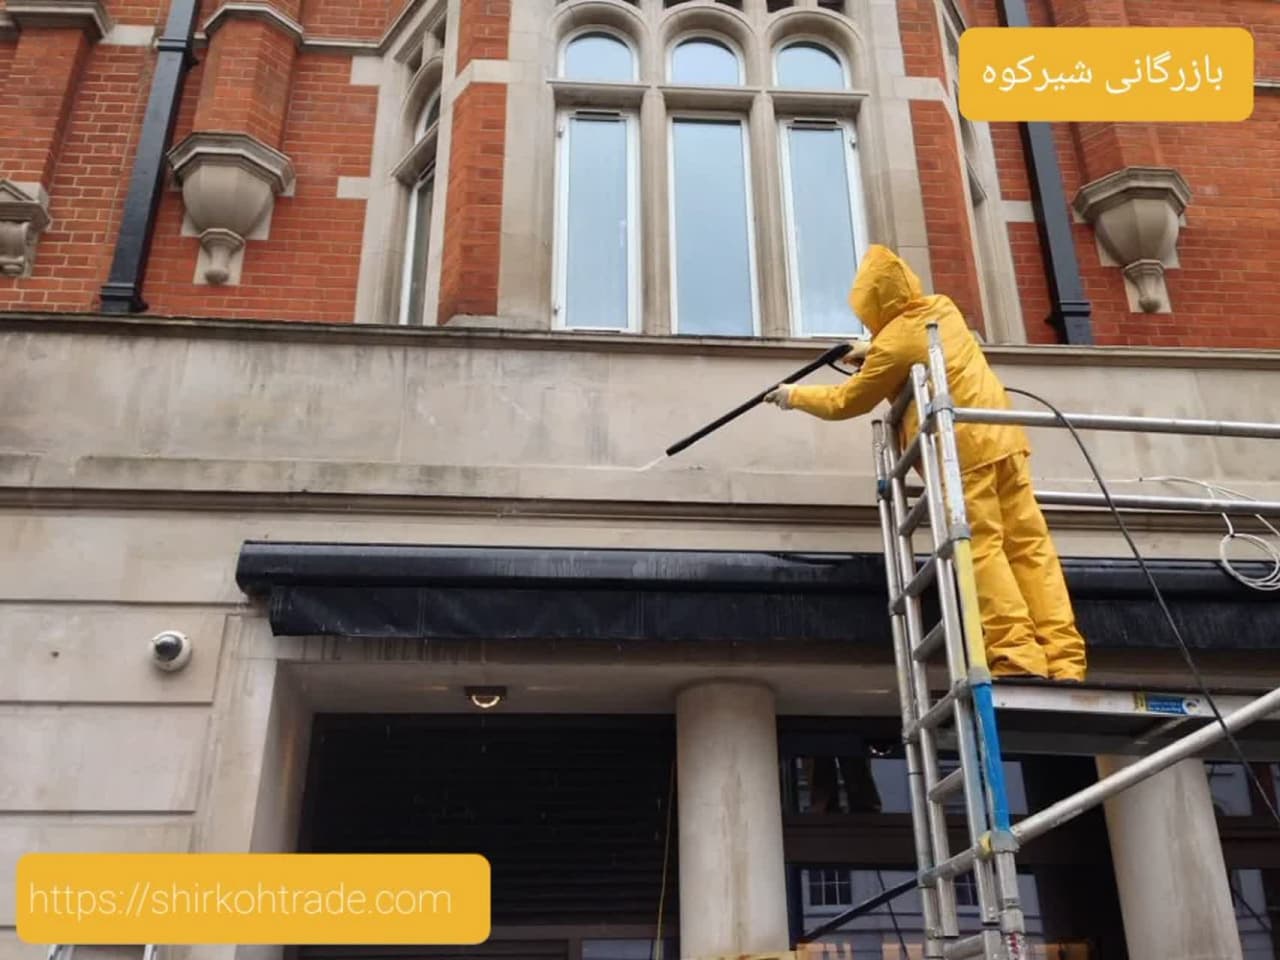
[
  {"x": 1174, "y": 893},
  {"x": 733, "y": 897}
]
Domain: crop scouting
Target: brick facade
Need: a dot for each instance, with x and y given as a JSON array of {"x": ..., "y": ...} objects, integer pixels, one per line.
[
  {"x": 473, "y": 216},
  {"x": 71, "y": 110}
]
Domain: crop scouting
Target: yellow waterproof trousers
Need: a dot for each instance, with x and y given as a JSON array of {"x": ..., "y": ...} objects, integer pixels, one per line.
[{"x": 1027, "y": 619}]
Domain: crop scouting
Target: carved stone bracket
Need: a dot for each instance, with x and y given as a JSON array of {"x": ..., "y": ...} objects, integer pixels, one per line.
[
  {"x": 1137, "y": 213},
  {"x": 24, "y": 215},
  {"x": 229, "y": 185}
]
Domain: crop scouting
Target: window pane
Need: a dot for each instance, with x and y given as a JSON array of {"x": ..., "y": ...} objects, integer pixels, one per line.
[
  {"x": 822, "y": 234},
  {"x": 704, "y": 61},
  {"x": 419, "y": 233},
  {"x": 597, "y": 244},
  {"x": 713, "y": 261},
  {"x": 810, "y": 67},
  {"x": 598, "y": 56},
  {"x": 433, "y": 113}
]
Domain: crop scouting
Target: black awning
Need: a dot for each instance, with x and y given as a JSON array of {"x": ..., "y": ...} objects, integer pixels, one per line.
[{"x": 465, "y": 592}]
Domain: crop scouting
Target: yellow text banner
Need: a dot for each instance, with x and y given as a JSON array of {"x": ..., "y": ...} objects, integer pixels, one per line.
[
  {"x": 1135, "y": 74},
  {"x": 253, "y": 898}
]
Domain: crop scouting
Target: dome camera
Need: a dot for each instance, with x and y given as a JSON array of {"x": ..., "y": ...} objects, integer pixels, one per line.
[{"x": 170, "y": 650}]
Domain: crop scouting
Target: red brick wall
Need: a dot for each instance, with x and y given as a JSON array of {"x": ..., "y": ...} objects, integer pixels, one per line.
[
  {"x": 1223, "y": 290},
  {"x": 483, "y": 26},
  {"x": 946, "y": 209},
  {"x": 308, "y": 267},
  {"x": 36, "y": 102},
  {"x": 350, "y": 19},
  {"x": 473, "y": 207},
  {"x": 88, "y": 185},
  {"x": 921, "y": 44},
  {"x": 247, "y": 71}
]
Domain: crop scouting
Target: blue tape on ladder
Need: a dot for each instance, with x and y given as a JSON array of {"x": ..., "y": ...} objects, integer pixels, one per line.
[{"x": 985, "y": 707}]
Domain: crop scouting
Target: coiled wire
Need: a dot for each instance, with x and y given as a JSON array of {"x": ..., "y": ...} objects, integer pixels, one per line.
[{"x": 1271, "y": 551}]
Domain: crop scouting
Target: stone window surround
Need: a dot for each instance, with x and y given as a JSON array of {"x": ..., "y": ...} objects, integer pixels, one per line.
[
  {"x": 868, "y": 35},
  {"x": 761, "y": 105},
  {"x": 411, "y": 68}
]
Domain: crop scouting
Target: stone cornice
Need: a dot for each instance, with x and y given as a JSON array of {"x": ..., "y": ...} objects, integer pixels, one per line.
[
  {"x": 89, "y": 15},
  {"x": 460, "y": 336}
]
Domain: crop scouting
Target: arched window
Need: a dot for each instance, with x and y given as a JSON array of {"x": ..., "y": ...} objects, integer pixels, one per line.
[
  {"x": 702, "y": 61},
  {"x": 418, "y": 223},
  {"x": 597, "y": 239},
  {"x": 598, "y": 56},
  {"x": 806, "y": 65}
]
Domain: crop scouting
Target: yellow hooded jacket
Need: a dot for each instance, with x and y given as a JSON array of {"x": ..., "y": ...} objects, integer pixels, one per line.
[{"x": 888, "y": 298}]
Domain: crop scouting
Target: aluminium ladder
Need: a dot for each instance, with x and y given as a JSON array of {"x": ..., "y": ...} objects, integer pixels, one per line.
[{"x": 963, "y": 717}]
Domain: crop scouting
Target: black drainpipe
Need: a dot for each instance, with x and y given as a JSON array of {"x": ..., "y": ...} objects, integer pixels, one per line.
[
  {"x": 1070, "y": 312},
  {"x": 122, "y": 293}
]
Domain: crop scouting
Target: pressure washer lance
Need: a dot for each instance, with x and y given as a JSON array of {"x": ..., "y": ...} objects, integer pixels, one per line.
[{"x": 827, "y": 359}]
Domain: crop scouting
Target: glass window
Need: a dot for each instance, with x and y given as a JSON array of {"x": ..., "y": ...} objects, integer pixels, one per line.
[
  {"x": 705, "y": 61},
  {"x": 597, "y": 229},
  {"x": 711, "y": 214},
  {"x": 419, "y": 232},
  {"x": 432, "y": 115},
  {"x": 829, "y": 888},
  {"x": 600, "y": 57},
  {"x": 884, "y": 931},
  {"x": 824, "y": 226},
  {"x": 809, "y": 66}
]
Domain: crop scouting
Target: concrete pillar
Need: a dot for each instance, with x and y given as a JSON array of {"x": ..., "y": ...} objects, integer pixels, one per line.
[
  {"x": 1172, "y": 880},
  {"x": 733, "y": 897}
]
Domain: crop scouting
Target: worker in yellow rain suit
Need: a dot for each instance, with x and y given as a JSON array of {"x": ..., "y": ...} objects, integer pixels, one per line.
[{"x": 1027, "y": 618}]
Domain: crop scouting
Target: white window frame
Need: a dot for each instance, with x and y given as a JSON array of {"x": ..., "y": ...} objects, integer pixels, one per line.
[
  {"x": 631, "y": 124},
  {"x": 820, "y": 909},
  {"x": 711, "y": 37},
  {"x": 816, "y": 41},
  {"x": 744, "y": 125},
  {"x": 607, "y": 31},
  {"x": 410, "y": 252},
  {"x": 857, "y": 213}
]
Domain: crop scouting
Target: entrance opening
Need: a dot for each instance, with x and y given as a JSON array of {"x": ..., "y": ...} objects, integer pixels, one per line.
[{"x": 574, "y": 813}]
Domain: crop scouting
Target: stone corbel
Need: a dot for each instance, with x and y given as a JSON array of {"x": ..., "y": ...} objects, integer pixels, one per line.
[
  {"x": 1136, "y": 213},
  {"x": 24, "y": 215},
  {"x": 229, "y": 185}
]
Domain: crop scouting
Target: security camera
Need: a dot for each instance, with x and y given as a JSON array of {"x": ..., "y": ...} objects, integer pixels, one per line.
[{"x": 170, "y": 650}]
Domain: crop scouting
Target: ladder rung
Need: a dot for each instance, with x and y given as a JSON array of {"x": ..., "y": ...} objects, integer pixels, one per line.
[
  {"x": 908, "y": 458},
  {"x": 918, "y": 509},
  {"x": 938, "y": 712},
  {"x": 931, "y": 643},
  {"x": 977, "y": 945},
  {"x": 947, "y": 785},
  {"x": 923, "y": 579}
]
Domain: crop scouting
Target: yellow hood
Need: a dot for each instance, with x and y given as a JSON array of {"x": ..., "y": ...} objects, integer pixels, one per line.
[{"x": 883, "y": 288}]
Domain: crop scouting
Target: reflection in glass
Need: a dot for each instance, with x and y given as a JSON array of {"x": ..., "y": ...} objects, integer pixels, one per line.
[
  {"x": 431, "y": 116},
  {"x": 597, "y": 254},
  {"x": 809, "y": 66},
  {"x": 598, "y": 57},
  {"x": 705, "y": 61},
  {"x": 419, "y": 233},
  {"x": 713, "y": 266},
  {"x": 824, "y": 249}
]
